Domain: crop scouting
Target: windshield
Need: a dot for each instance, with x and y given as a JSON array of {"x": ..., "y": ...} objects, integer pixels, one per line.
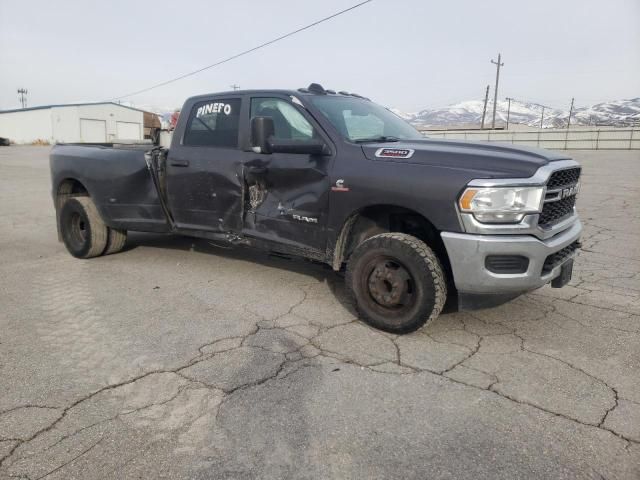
[{"x": 360, "y": 120}]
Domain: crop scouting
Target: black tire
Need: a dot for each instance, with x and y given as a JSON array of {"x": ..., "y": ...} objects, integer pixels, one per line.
[
  {"x": 396, "y": 281},
  {"x": 116, "y": 240},
  {"x": 83, "y": 231}
]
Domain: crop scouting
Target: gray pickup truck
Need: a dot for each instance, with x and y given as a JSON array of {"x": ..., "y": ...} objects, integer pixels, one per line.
[{"x": 331, "y": 176}]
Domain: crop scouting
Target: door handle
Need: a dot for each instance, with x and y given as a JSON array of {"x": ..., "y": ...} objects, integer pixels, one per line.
[{"x": 180, "y": 163}]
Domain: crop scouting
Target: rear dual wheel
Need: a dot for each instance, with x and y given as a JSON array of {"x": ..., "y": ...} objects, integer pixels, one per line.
[
  {"x": 115, "y": 241},
  {"x": 397, "y": 282},
  {"x": 84, "y": 233}
]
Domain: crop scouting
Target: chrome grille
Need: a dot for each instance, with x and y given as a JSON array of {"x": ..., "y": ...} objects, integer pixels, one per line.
[
  {"x": 553, "y": 211},
  {"x": 555, "y": 207},
  {"x": 564, "y": 178}
]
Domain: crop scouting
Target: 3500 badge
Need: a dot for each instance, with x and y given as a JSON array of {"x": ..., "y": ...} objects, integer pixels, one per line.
[{"x": 394, "y": 152}]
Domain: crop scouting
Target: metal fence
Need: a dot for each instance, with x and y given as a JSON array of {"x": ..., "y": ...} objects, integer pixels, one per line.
[{"x": 556, "y": 139}]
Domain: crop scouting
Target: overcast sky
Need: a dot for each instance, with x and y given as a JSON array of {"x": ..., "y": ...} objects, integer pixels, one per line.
[{"x": 408, "y": 54}]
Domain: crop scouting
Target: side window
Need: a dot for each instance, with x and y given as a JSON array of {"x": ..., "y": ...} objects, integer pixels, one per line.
[
  {"x": 214, "y": 123},
  {"x": 288, "y": 122}
]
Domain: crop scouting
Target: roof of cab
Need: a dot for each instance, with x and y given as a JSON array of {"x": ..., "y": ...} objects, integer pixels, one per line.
[{"x": 313, "y": 89}]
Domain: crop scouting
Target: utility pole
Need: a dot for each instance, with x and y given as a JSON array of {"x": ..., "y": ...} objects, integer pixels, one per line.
[
  {"x": 23, "y": 99},
  {"x": 566, "y": 135},
  {"x": 484, "y": 109},
  {"x": 508, "y": 99},
  {"x": 235, "y": 87},
  {"x": 495, "y": 96},
  {"x": 542, "y": 116},
  {"x": 570, "y": 112}
]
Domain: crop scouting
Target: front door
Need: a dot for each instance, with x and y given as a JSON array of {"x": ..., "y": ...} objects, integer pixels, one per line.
[
  {"x": 287, "y": 194},
  {"x": 204, "y": 187}
]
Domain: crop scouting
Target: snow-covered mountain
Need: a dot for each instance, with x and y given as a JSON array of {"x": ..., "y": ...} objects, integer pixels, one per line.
[
  {"x": 619, "y": 113},
  {"x": 616, "y": 112},
  {"x": 404, "y": 115},
  {"x": 469, "y": 113}
]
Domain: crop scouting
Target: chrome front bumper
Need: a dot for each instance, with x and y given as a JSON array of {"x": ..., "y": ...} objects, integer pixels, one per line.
[{"x": 467, "y": 254}]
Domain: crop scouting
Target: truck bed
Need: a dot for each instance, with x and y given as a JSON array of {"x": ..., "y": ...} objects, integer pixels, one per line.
[{"x": 118, "y": 178}]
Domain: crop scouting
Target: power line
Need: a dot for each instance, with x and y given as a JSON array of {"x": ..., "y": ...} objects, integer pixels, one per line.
[
  {"x": 544, "y": 107},
  {"x": 531, "y": 102},
  {"x": 233, "y": 57}
]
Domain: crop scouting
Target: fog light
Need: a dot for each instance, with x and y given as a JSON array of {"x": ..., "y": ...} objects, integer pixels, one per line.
[{"x": 505, "y": 264}]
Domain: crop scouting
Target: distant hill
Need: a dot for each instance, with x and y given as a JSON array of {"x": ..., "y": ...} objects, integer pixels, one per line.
[{"x": 618, "y": 113}]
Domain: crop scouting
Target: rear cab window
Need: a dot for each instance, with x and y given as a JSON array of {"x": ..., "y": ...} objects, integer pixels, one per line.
[{"x": 214, "y": 123}]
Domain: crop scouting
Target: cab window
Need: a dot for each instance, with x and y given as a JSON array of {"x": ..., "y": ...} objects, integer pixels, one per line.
[
  {"x": 288, "y": 122},
  {"x": 214, "y": 123}
]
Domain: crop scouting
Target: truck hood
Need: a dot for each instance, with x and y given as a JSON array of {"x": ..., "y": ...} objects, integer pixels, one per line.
[{"x": 487, "y": 160}]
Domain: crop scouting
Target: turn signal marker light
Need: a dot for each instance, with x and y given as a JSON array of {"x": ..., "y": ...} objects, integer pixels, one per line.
[{"x": 467, "y": 198}]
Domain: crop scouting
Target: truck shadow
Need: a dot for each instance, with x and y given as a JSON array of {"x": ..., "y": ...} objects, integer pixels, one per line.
[{"x": 319, "y": 271}]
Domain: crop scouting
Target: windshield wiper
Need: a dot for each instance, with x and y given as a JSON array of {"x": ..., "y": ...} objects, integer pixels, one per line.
[{"x": 381, "y": 138}]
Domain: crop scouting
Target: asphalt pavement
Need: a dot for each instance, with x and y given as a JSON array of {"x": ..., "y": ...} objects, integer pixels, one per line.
[{"x": 179, "y": 358}]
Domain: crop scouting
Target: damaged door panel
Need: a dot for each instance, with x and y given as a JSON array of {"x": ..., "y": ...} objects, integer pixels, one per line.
[
  {"x": 254, "y": 173},
  {"x": 286, "y": 194},
  {"x": 288, "y": 199}
]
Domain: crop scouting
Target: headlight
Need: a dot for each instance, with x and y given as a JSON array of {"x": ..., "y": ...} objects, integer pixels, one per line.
[{"x": 501, "y": 204}]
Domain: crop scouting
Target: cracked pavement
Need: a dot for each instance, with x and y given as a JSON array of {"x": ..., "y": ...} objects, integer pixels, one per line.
[{"x": 182, "y": 359}]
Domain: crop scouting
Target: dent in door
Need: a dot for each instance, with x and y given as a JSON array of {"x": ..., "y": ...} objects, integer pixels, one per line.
[{"x": 289, "y": 200}]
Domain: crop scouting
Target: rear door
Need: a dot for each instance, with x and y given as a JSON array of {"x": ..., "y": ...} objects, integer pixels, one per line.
[
  {"x": 287, "y": 194},
  {"x": 204, "y": 188}
]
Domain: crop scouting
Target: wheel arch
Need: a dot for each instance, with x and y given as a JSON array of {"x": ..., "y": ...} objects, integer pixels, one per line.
[
  {"x": 382, "y": 218},
  {"x": 69, "y": 187},
  {"x": 64, "y": 189}
]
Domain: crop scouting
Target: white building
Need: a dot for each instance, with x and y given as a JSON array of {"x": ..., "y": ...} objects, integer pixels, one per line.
[{"x": 82, "y": 122}]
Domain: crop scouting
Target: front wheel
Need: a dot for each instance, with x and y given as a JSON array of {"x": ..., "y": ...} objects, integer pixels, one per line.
[{"x": 397, "y": 282}]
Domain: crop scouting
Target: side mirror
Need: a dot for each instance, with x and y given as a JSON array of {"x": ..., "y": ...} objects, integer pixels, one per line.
[
  {"x": 261, "y": 129},
  {"x": 309, "y": 147},
  {"x": 263, "y": 140}
]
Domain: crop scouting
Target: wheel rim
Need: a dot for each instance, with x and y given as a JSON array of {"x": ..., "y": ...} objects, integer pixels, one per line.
[
  {"x": 390, "y": 285},
  {"x": 78, "y": 230}
]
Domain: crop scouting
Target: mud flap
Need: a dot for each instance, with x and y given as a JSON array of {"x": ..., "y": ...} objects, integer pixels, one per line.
[{"x": 566, "y": 271}]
